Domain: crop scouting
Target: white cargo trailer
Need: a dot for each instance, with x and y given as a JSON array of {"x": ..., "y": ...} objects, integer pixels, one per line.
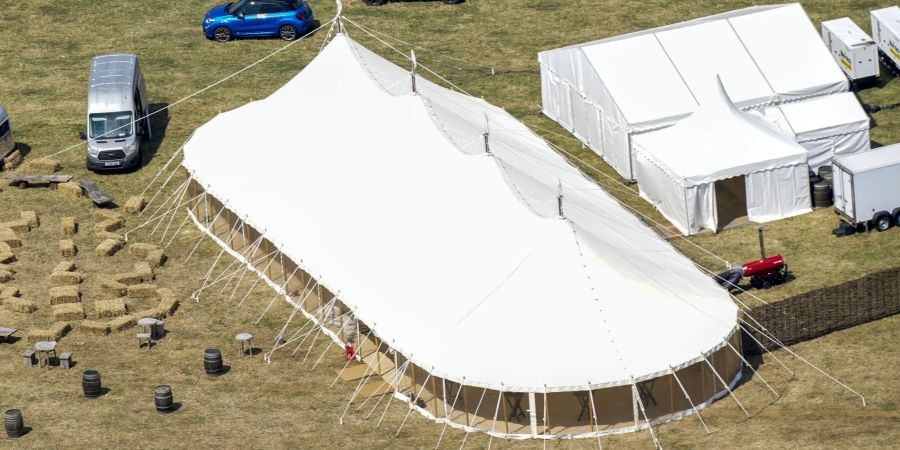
[
  {"x": 867, "y": 187},
  {"x": 886, "y": 31},
  {"x": 853, "y": 49}
]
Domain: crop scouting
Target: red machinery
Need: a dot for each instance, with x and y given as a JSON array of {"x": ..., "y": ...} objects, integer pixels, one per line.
[{"x": 763, "y": 273}]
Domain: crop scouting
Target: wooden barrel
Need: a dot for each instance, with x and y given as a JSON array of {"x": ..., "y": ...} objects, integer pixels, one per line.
[
  {"x": 822, "y": 196},
  {"x": 15, "y": 426},
  {"x": 162, "y": 395},
  {"x": 90, "y": 383},
  {"x": 212, "y": 361}
]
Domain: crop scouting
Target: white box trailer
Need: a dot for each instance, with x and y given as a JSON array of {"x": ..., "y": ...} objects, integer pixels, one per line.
[
  {"x": 867, "y": 187},
  {"x": 853, "y": 49},
  {"x": 886, "y": 32}
]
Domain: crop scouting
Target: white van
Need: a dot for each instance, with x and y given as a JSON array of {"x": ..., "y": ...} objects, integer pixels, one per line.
[{"x": 117, "y": 110}]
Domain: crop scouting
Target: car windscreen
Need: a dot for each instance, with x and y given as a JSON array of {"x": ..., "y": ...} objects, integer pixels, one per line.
[
  {"x": 4, "y": 128},
  {"x": 111, "y": 125},
  {"x": 233, "y": 8}
]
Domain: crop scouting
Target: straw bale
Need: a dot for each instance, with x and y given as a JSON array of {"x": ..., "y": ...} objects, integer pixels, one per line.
[
  {"x": 65, "y": 294},
  {"x": 93, "y": 328},
  {"x": 123, "y": 323},
  {"x": 7, "y": 258},
  {"x": 103, "y": 235},
  {"x": 67, "y": 248},
  {"x": 54, "y": 333},
  {"x": 109, "y": 225},
  {"x": 70, "y": 189},
  {"x": 32, "y": 218},
  {"x": 42, "y": 166},
  {"x": 109, "y": 247},
  {"x": 68, "y": 226},
  {"x": 167, "y": 301},
  {"x": 142, "y": 291},
  {"x": 12, "y": 161},
  {"x": 113, "y": 287},
  {"x": 156, "y": 258},
  {"x": 6, "y": 276},
  {"x": 65, "y": 278},
  {"x": 135, "y": 205},
  {"x": 129, "y": 278},
  {"x": 141, "y": 249},
  {"x": 143, "y": 268},
  {"x": 64, "y": 266},
  {"x": 5, "y": 248},
  {"x": 9, "y": 291},
  {"x": 68, "y": 312},
  {"x": 10, "y": 238},
  {"x": 110, "y": 308},
  {"x": 18, "y": 226},
  {"x": 106, "y": 214},
  {"x": 19, "y": 305}
]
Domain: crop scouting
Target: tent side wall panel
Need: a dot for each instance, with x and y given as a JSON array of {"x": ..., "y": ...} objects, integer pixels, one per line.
[
  {"x": 778, "y": 193},
  {"x": 565, "y": 414}
]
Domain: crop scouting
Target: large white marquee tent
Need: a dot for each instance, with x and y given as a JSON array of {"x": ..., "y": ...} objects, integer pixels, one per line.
[
  {"x": 480, "y": 262},
  {"x": 720, "y": 165},
  {"x": 609, "y": 91}
]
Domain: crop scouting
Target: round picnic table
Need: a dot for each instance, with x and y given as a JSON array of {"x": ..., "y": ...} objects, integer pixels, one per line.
[
  {"x": 146, "y": 323},
  {"x": 45, "y": 348},
  {"x": 243, "y": 339}
]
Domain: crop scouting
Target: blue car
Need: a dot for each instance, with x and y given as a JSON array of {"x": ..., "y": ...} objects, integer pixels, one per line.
[{"x": 287, "y": 19}]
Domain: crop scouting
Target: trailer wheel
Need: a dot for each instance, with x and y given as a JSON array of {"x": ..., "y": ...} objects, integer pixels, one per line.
[{"x": 883, "y": 222}]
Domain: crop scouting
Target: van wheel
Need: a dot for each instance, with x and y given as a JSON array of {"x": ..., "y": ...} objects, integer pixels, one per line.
[
  {"x": 897, "y": 217},
  {"x": 375, "y": 2},
  {"x": 287, "y": 33},
  {"x": 883, "y": 222},
  {"x": 222, "y": 34}
]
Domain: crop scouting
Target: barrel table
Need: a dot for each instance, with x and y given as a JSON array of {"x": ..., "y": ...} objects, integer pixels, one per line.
[
  {"x": 15, "y": 426},
  {"x": 162, "y": 396},
  {"x": 90, "y": 383}
]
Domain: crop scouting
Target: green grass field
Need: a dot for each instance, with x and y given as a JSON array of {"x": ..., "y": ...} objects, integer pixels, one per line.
[{"x": 45, "y": 48}]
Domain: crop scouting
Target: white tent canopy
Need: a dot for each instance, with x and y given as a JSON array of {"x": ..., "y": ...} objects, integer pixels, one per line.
[
  {"x": 677, "y": 167},
  {"x": 826, "y": 127},
  {"x": 454, "y": 256},
  {"x": 608, "y": 91}
]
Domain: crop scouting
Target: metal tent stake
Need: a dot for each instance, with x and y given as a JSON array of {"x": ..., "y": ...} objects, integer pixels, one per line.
[{"x": 762, "y": 242}]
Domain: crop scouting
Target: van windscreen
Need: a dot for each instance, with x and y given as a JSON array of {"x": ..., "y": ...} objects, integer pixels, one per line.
[
  {"x": 4, "y": 128},
  {"x": 111, "y": 125}
]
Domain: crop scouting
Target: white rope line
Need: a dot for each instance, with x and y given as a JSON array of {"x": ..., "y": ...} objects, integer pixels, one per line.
[
  {"x": 355, "y": 393},
  {"x": 637, "y": 397},
  {"x": 475, "y": 416},
  {"x": 750, "y": 366},
  {"x": 178, "y": 230},
  {"x": 730, "y": 392},
  {"x": 159, "y": 191},
  {"x": 174, "y": 214},
  {"x": 496, "y": 412},
  {"x": 152, "y": 220},
  {"x": 175, "y": 198},
  {"x": 448, "y": 412},
  {"x": 414, "y": 402},
  {"x": 166, "y": 165},
  {"x": 688, "y": 397},
  {"x": 277, "y": 294},
  {"x": 196, "y": 93},
  {"x": 253, "y": 248},
  {"x": 397, "y": 378},
  {"x": 166, "y": 202},
  {"x": 328, "y": 347},
  {"x": 258, "y": 279},
  {"x": 347, "y": 364}
]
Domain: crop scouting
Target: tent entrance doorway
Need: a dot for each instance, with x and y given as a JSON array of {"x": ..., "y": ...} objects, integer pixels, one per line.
[{"x": 731, "y": 202}]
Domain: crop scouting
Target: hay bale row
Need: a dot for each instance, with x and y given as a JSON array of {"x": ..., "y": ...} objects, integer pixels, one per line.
[
  {"x": 167, "y": 301},
  {"x": 123, "y": 323},
  {"x": 109, "y": 225},
  {"x": 156, "y": 258},
  {"x": 17, "y": 226},
  {"x": 67, "y": 248},
  {"x": 19, "y": 305},
  {"x": 135, "y": 204},
  {"x": 64, "y": 266},
  {"x": 141, "y": 249},
  {"x": 114, "y": 288},
  {"x": 104, "y": 235},
  {"x": 6, "y": 276},
  {"x": 54, "y": 333},
  {"x": 68, "y": 226},
  {"x": 70, "y": 189},
  {"x": 104, "y": 309},
  {"x": 12, "y": 161},
  {"x": 68, "y": 312},
  {"x": 65, "y": 278},
  {"x": 42, "y": 166},
  {"x": 31, "y": 218},
  {"x": 93, "y": 328},
  {"x": 142, "y": 291},
  {"x": 108, "y": 247},
  {"x": 10, "y": 238},
  {"x": 65, "y": 294}
]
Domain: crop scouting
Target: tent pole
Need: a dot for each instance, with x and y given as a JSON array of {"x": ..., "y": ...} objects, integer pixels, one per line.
[
  {"x": 640, "y": 403},
  {"x": 465, "y": 394},
  {"x": 447, "y": 415},
  {"x": 727, "y": 387},
  {"x": 688, "y": 397},
  {"x": 496, "y": 411},
  {"x": 505, "y": 413},
  {"x": 434, "y": 396},
  {"x": 595, "y": 427},
  {"x": 414, "y": 403},
  {"x": 752, "y": 369}
]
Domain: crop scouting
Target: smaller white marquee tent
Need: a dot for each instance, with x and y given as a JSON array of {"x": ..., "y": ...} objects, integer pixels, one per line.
[
  {"x": 826, "y": 127},
  {"x": 720, "y": 165}
]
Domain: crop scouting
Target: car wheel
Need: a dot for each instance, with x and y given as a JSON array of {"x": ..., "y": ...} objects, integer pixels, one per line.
[
  {"x": 883, "y": 222},
  {"x": 287, "y": 33},
  {"x": 222, "y": 34},
  {"x": 452, "y": 2},
  {"x": 375, "y": 2}
]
